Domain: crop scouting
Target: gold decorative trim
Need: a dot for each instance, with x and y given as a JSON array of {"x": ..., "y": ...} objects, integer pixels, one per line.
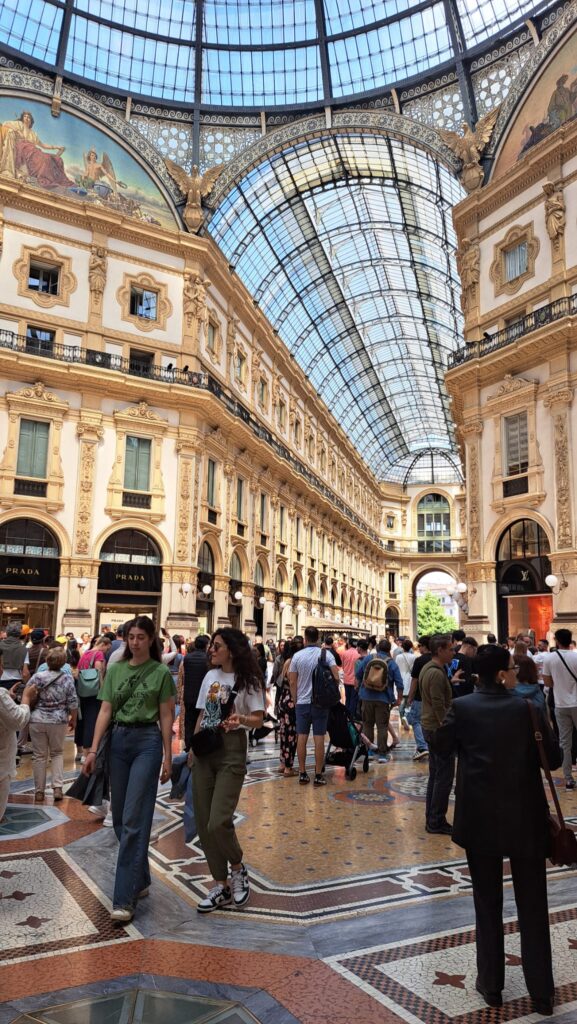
[
  {"x": 90, "y": 432},
  {"x": 34, "y": 402},
  {"x": 514, "y": 237},
  {"x": 147, "y": 283},
  {"x": 67, "y": 282}
]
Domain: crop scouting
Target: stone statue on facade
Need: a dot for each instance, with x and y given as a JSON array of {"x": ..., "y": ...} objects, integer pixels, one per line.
[
  {"x": 97, "y": 272},
  {"x": 554, "y": 211},
  {"x": 468, "y": 265}
]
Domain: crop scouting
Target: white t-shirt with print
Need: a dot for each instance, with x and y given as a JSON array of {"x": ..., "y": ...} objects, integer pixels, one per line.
[
  {"x": 219, "y": 684},
  {"x": 564, "y": 685}
]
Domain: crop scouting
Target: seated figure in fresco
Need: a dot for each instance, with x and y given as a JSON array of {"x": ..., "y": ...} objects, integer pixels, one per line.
[
  {"x": 561, "y": 104},
  {"x": 22, "y": 154}
]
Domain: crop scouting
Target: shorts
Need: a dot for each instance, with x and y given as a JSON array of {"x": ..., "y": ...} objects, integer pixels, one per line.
[{"x": 309, "y": 714}]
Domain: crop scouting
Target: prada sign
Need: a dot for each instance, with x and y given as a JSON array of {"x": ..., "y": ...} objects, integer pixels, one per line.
[
  {"x": 129, "y": 577},
  {"x": 29, "y": 572}
]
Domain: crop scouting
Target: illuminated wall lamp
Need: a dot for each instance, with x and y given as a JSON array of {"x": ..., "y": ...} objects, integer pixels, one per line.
[
  {"x": 207, "y": 589},
  {"x": 238, "y": 595},
  {"x": 184, "y": 589},
  {"x": 553, "y": 581},
  {"x": 282, "y": 606},
  {"x": 462, "y": 588},
  {"x": 82, "y": 584},
  {"x": 261, "y": 601}
]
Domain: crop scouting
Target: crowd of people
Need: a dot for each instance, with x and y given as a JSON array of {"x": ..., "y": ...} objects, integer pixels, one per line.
[{"x": 120, "y": 694}]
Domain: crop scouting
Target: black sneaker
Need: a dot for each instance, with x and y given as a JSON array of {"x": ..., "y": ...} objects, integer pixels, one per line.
[
  {"x": 441, "y": 830},
  {"x": 570, "y": 784},
  {"x": 219, "y": 896},
  {"x": 304, "y": 778},
  {"x": 319, "y": 780}
]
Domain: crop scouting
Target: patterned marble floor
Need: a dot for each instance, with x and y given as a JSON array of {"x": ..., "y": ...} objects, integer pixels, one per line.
[{"x": 355, "y": 913}]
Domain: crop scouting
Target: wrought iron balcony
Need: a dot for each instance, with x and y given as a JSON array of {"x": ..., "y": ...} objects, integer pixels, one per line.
[{"x": 525, "y": 325}]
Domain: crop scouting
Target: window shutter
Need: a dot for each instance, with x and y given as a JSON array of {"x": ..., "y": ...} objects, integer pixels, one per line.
[
  {"x": 137, "y": 464},
  {"x": 33, "y": 449}
]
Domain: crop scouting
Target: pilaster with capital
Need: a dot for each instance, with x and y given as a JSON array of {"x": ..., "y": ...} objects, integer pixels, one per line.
[
  {"x": 559, "y": 401},
  {"x": 89, "y": 432},
  {"x": 228, "y": 471},
  {"x": 471, "y": 432}
]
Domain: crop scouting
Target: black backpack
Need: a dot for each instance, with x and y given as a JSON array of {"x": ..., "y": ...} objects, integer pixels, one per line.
[{"x": 326, "y": 691}]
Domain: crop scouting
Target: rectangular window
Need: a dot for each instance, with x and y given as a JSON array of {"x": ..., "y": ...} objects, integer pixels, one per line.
[
  {"x": 39, "y": 340},
  {"x": 390, "y": 522},
  {"x": 516, "y": 444},
  {"x": 211, "y": 483},
  {"x": 137, "y": 464},
  {"x": 140, "y": 363},
  {"x": 43, "y": 277},
  {"x": 392, "y": 587},
  {"x": 263, "y": 510},
  {"x": 298, "y": 531},
  {"x": 240, "y": 499},
  {"x": 515, "y": 261},
  {"x": 282, "y": 522},
  {"x": 143, "y": 303},
  {"x": 211, "y": 338},
  {"x": 282, "y": 415},
  {"x": 33, "y": 449}
]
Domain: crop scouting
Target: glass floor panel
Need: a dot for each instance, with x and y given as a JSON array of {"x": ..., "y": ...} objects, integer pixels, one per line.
[{"x": 142, "y": 1007}]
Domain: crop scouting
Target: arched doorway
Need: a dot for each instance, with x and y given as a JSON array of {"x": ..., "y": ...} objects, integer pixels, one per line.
[
  {"x": 259, "y": 599},
  {"x": 524, "y": 601},
  {"x": 205, "y": 596},
  {"x": 392, "y": 621},
  {"x": 129, "y": 578},
  {"x": 29, "y": 574},
  {"x": 435, "y": 607}
]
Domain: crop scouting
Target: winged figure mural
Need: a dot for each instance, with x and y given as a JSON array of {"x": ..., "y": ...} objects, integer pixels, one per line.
[{"x": 195, "y": 187}]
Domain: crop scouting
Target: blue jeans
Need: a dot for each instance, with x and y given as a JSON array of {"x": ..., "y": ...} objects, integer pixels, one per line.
[
  {"x": 135, "y": 760},
  {"x": 414, "y": 720}
]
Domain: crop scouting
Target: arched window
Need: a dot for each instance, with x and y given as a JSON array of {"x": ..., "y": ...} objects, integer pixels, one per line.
[
  {"x": 206, "y": 559},
  {"x": 259, "y": 575},
  {"x": 523, "y": 539},
  {"x": 26, "y": 537},
  {"x": 130, "y": 546},
  {"x": 310, "y": 589},
  {"x": 433, "y": 524},
  {"x": 296, "y": 586},
  {"x": 235, "y": 567},
  {"x": 279, "y": 581}
]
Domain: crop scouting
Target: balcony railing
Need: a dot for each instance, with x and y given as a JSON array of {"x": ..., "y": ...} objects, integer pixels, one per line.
[
  {"x": 525, "y": 325},
  {"x": 426, "y": 547},
  {"x": 190, "y": 378},
  {"x": 106, "y": 360}
]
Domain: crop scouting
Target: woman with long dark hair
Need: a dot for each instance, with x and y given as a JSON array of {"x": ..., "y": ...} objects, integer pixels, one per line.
[
  {"x": 231, "y": 700},
  {"x": 137, "y": 696},
  {"x": 501, "y": 811}
]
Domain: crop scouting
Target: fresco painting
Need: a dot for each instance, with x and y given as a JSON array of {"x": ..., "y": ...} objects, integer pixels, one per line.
[
  {"x": 70, "y": 157},
  {"x": 551, "y": 103}
]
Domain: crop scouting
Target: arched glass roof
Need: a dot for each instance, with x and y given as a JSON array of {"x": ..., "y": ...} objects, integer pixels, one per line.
[
  {"x": 347, "y": 244},
  {"x": 255, "y": 54}
]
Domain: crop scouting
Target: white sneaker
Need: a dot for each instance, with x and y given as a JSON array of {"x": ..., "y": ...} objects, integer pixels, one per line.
[
  {"x": 121, "y": 914},
  {"x": 108, "y": 820},
  {"x": 219, "y": 896},
  {"x": 240, "y": 887},
  {"x": 99, "y": 810}
]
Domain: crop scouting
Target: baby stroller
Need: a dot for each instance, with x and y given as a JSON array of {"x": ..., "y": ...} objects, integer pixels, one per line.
[{"x": 345, "y": 734}]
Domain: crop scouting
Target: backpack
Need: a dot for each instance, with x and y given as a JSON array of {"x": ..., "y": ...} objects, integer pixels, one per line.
[
  {"x": 88, "y": 681},
  {"x": 326, "y": 693},
  {"x": 377, "y": 675}
]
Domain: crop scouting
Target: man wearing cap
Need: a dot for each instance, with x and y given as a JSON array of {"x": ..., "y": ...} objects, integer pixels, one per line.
[
  {"x": 12, "y": 654},
  {"x": 35, "y": 654}
]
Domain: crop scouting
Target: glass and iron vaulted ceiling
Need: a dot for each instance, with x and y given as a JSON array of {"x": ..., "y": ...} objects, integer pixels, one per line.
[
  {"x": 256, "y": 54},
  {"x": 346, "y": 242}
]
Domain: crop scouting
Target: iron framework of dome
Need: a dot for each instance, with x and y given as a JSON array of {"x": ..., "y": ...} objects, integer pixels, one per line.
[{"x": 259, "y": 54}]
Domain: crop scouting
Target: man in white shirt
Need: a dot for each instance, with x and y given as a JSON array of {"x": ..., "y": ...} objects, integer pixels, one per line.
[
  {"x": 539, "y": 658},
  {"x": 560, "y": 672},
  {"x": 302, "y": 666}
]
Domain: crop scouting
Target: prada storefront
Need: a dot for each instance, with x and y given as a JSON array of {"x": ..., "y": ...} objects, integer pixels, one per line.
[
  {"x": 29, "y": 574},
  {"x": 129, "y": 579}
]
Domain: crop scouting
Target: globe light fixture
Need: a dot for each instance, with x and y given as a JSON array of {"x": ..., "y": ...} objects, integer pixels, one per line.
[
  {"x": 207, "y": 589},
  {"x": 238, "y": 595}
]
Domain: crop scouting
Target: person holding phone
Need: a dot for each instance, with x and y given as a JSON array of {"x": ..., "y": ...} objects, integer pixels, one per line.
[
  {"x": 231, "y": 700},
  {"x": 137, "y": 696}
]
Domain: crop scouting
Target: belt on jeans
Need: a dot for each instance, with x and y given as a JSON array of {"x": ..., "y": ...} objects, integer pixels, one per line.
[{"x": 136, "y": 725}]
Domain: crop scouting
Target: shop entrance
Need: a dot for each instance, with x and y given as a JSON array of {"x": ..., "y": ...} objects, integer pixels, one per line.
[
  {"x": 129, "y": 579},
  {"x": 29, "y": 574},
  {"x": 524, "y": 601}
]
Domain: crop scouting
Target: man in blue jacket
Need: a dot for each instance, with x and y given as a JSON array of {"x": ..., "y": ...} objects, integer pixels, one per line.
[{"x": 376, "y": 703}]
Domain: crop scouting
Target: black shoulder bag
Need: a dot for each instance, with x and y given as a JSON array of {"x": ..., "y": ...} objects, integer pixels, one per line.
[
  {"x": 207, "y": 741},
  {"x": 563, "y": 841}
]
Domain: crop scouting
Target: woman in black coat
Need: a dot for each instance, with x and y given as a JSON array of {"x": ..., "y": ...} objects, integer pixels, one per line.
[{"x": 501, "y": 811}]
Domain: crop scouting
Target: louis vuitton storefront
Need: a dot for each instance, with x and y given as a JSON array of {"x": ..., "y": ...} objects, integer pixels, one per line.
[
  {"x": 129, "y": 579},
  {"x": 29, "y": 574},
  {"x": 525, "y": 604}
]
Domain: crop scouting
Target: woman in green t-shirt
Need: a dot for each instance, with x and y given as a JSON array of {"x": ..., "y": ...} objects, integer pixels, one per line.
[{"x": 137, "y": 696}]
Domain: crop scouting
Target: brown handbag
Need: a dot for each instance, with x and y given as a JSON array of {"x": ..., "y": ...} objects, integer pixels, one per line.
[{"x": 563, "y": 841}]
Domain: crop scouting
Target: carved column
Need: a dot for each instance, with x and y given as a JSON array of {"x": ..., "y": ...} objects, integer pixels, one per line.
[
  {"x": 182, "y": 606},
  {"x": 89, "y": 431},
  {"x": 559, "y": 402}
]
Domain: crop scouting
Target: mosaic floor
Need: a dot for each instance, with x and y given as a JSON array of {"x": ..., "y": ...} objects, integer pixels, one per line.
[{"x": 356, "y": 914}]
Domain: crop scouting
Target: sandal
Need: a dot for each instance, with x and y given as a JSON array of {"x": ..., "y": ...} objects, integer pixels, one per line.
[
  {"x": 39, "y": 796},
  {"x": 289, "y": 773}
]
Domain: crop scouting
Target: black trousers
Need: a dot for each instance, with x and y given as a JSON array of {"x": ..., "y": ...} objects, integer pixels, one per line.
[
  {"x": 530, "y": 886},
  {"x": 439, "y": 786}
]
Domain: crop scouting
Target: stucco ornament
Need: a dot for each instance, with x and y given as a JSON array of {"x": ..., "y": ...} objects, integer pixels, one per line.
[{"x": 469, "y": 148}]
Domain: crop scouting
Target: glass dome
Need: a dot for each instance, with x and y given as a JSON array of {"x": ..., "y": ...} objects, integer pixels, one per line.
[{"x": 260, "y": 54}]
